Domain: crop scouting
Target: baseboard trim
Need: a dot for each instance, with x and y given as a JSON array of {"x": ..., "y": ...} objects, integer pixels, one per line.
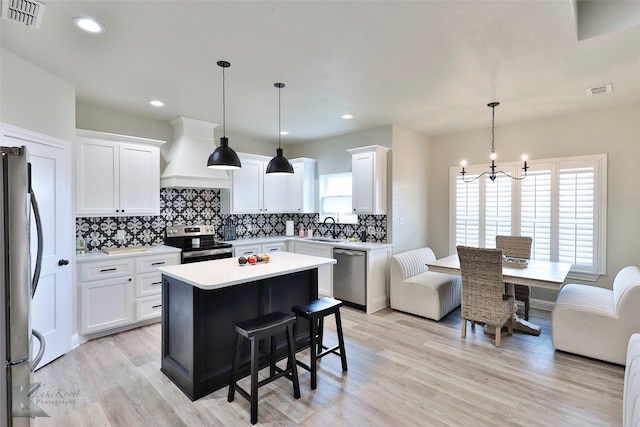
[
  {"x": 540, "y": 304},
  {"x": 75, "y": 341}
]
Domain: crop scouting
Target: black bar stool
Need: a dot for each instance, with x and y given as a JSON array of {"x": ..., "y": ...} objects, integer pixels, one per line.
[
  {"x": 315, "y": 312},
  {"x": 254, "y": 330}
]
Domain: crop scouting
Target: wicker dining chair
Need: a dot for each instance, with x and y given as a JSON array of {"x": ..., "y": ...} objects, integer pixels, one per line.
[
  {"x": 517, "y": 247},
  {"x": 483, "y": 298}
]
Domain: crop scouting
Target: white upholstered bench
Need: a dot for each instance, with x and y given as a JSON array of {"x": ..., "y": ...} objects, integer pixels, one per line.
[
  {"x": 631, "y": 390},
  {"x": 416, "y": 290},
  {"x": 597, "y": 322}
]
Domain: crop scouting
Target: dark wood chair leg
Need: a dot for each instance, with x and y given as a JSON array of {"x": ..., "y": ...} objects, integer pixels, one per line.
[
  {"x": 320, "y": 334},
  {"x": 254, "y": 380},
  {"x": 526, "y": 309},
  {"x": 234, "y": 370},
  {"x": 314, "y": 354},
  {"x": 343, "y": 354},
  {"x": 292, "y": 363}
]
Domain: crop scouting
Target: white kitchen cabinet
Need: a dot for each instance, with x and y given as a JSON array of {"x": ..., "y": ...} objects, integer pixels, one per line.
[
  {"x": 276, "y": 193},
  {"x": 369, "y": 179},
  {"x": 378, "y": 295},
  {"x": 117, "y": 175},
  {"x": 106, "y": 304},
  {"x": 257, "y": 249},
  {"x": 117, "y": 291},
  {"x": 274, "y": 247},
  {"x": 302, "y": 185},
  {"x": 325, "y": 274},
  {"x": 246, "y": 250},
  {"x": 247, "y": 185},
  {"x": 253, "y": 191}
]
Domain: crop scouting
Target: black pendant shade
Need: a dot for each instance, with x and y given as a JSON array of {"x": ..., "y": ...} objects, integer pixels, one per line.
[
  {"x": 279, "y": 165},
  {"x": 223, "y": 157}
]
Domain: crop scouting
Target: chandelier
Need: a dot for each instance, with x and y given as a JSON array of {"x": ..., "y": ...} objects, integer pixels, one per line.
[{"x": 493, "y": 174}]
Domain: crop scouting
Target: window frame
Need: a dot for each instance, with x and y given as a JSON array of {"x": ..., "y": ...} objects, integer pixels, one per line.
[{"x": 599, "y": 164}]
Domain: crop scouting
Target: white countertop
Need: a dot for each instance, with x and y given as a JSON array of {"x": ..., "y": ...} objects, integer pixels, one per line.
[
  {"x": 346, "y": 244},
  {"x": 220, "y": 273},
  {"x": 153, "y": 250}
]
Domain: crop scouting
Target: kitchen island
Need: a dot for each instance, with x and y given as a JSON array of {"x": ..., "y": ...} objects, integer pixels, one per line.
[{"x": 202, "y": 301}]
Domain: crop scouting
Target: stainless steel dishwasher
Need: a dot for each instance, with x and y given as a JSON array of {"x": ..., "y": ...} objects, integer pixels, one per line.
[{"x": 350, "y": 277}]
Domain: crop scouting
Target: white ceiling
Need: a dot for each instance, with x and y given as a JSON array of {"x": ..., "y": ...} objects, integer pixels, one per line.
[{"x": 429, "y": 66}]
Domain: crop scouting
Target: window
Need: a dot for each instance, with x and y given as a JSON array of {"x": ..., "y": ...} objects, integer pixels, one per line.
[
  {"x": 335, "y": 198},
  {"x": 561, "y": 205}
]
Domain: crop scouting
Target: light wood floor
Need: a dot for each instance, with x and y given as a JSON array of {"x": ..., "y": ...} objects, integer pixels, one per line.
[{"x": 403, "y": 371}]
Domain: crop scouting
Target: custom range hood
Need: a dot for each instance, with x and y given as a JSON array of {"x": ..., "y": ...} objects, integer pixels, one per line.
[{"x": 193, "y": 141}]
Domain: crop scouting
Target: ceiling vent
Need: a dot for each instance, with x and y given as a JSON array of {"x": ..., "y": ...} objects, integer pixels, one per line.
[
  {"x": 27, "y": 12},
  {"x": 600, "y": 90}
]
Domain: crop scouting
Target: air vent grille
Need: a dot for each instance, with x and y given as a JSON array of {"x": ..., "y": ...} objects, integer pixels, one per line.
[
  {"x": 600, "y": 90},
  {"x": 27, "y": 12}
]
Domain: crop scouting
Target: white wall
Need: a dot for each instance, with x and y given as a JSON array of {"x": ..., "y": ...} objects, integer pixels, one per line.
[
  {"x": 410, "y": 177},
  {"x": 332, "y": 154},
  {"x": 613, "y": 131},
  {"x": 34, "y": 99}
]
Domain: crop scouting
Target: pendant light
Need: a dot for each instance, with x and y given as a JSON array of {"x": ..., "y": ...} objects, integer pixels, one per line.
[
  {"x": 279, "y": 165},
  {"x": 223, "y": 157},
  {"x": 494, "y": 174}
]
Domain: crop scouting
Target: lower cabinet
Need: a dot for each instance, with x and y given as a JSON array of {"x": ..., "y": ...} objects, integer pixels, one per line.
[
  {"x": 106, "y": 304},
  {"x": 119, "y": 291},
  {"x": 257, "y": 249},
  {"x": 325, "y": 274}
]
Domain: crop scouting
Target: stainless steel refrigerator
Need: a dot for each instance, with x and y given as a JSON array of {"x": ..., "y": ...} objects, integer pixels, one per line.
[{"x": 18, "y": 284}]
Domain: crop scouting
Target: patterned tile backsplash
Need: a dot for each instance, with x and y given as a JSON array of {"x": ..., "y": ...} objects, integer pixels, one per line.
[{"x": 196, "y": 206}]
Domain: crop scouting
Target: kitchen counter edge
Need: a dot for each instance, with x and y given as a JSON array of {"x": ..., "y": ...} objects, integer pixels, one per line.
[{"x": 154, "y": 250}]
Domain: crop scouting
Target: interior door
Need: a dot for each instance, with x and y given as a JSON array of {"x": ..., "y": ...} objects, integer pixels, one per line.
[{"x": 52, "y": 308}]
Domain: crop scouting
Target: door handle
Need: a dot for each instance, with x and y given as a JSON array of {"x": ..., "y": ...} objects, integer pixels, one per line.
[{"x": 63, "y": 262}]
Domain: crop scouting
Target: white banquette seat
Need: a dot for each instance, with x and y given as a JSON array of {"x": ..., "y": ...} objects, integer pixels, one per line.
[
  {"x": 416, "y": 290},
  {"x": 597, "y": 322}
]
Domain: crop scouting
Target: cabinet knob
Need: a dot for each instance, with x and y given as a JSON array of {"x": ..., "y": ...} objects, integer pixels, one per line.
[{"x": 63, "y": 262}]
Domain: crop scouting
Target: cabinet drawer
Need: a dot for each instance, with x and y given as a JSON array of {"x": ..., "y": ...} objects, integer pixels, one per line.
[
  {"x": 148, "y": 308},
  {"x": 274, "y": 247},
  {"x": 246, "y": 250},
  {"x": 148, "y": 264},
  {"x": 148, "y": 284},
  {"x": 105, "y": 269}
]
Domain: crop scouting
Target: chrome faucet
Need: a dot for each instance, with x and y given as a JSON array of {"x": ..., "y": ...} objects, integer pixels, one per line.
[{"x": 324, "y": 223}]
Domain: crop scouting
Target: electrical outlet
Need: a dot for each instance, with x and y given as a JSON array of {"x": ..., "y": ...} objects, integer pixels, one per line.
[
  {"x": 120, "y": 235},
  {"x": 371, "y": 229}
]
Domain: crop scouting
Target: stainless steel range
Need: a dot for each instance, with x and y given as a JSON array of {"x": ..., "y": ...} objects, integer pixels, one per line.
[{"x": 198, "y": 243}]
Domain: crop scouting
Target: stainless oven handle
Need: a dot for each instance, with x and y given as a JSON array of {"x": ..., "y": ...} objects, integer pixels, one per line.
[{"x": 206, "y": 252}]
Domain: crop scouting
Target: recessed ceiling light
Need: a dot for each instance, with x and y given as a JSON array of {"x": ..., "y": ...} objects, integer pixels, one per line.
[
  {"x": 284, "y": 132},
  {"x": 347, "y": 116},
  {"x": 89, "y": 25},
  {"x": 156, "y": 103}
]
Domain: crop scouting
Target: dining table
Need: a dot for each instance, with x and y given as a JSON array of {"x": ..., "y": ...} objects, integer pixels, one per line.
[{"x": 535, "y": 273}]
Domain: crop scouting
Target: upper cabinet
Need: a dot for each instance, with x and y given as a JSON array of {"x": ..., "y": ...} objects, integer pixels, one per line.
[
  {"x": 369, "y": 178},
  {"x": 247, "y": 184},
  {"x": 117, "y": 175},
  {"x": 253, "y": 191},
  {"x": 302, "y": 186}
]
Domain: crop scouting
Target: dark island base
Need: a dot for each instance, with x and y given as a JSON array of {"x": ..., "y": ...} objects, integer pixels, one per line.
[{"x": 198, "y": 338}]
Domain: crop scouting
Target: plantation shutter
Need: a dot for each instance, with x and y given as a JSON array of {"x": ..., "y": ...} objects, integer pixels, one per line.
[
  {"x": 576, "y": 216},
  {"x": 467, "y": 212},
  {"x": 535, "y": 212},
  {"x": 498, "y": 209}
]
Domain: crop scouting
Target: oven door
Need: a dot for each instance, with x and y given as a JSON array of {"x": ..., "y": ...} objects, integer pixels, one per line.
[{"x": 206, "y": 255}]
